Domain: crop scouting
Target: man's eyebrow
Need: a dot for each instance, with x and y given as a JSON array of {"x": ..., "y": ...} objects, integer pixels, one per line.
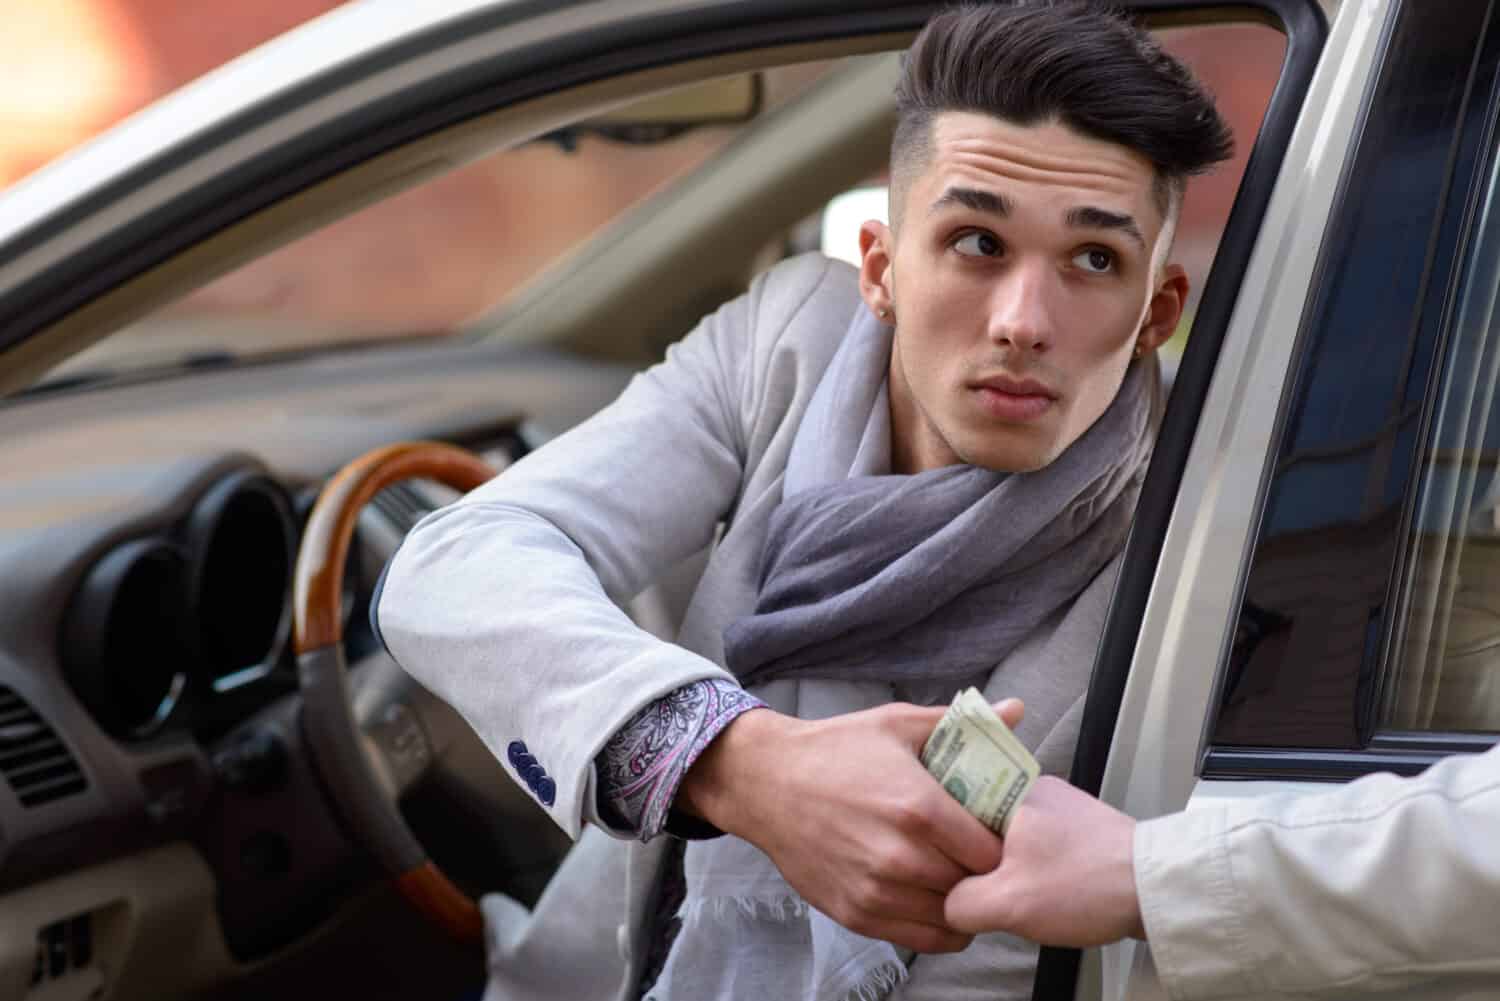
[
  {"x": 1089, "y": 217},
  {"x": 975, "y": 199}
]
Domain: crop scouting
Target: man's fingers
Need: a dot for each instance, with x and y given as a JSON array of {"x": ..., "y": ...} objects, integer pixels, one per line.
[
  {"x": 927, "y": 869},
  {"x": 979, "y": 903},
  {"x": 893, "y": 902},
  {"x": 950, "y": 828},
  {"x": 962, "y": 837},
  {"x": 1011, "y": 711},
  {"x": 915, "y": 935},
  {"x": 914, "y": 724}
]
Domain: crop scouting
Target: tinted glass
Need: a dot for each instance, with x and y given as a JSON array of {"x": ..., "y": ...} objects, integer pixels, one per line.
[
  {"x": 1303, "y": 670},
  {"x": 1444, "y": 673}
]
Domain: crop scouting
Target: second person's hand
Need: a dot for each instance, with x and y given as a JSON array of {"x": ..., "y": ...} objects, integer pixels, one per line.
[{"x": 1068, "y": 876}]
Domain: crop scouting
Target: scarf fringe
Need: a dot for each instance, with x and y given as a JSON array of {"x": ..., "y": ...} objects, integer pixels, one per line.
[
  {"x": 780, "y": 908},
  {"x": 879, "y": 982}
]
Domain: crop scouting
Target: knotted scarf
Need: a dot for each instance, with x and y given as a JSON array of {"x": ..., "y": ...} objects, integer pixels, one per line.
[{"x": 871, "y": 580}]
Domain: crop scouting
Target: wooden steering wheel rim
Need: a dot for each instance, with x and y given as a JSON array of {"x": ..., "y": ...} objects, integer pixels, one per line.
[{"x": 317, "y": 637}]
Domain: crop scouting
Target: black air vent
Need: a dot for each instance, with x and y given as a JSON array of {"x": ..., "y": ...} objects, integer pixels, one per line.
[
  {"x": 401, "y": 505},
  {"x": 32, "y": 758}
]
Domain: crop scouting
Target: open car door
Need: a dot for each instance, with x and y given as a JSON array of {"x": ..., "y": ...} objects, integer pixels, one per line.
[
  {"x": 250, "y": 160},
  {"x": 1308, "y": 596}
]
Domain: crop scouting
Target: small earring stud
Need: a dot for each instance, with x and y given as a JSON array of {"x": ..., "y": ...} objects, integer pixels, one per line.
[{"x": 884, "y": 313}]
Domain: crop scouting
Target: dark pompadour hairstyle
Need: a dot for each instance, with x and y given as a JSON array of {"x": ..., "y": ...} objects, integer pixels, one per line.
[{"x": 1073, "y": 61}]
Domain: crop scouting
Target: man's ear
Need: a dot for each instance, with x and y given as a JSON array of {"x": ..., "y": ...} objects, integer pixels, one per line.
[
  {"x": 877, "y": 249},
  {"x": 1165, "y": 309}
]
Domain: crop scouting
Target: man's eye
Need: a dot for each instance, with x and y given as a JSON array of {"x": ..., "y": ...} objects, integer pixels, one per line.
[
  {"x": 1095, "y": 261},
  {"x": 978, "y": 245}
]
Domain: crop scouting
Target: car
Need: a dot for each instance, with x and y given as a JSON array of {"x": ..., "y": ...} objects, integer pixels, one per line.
[{"x": 217, "y": 784}]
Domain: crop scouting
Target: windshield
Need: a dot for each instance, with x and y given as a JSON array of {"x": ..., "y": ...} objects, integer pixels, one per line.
[
  {"x": 429, "y": 261},
  {"x": 420, "y": 264}
]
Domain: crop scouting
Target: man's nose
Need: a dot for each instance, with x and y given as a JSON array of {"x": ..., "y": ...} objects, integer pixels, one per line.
[{"x": 1021, "y": 308}]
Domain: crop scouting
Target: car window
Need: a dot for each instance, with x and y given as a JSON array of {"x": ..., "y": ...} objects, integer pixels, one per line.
[
  {"x": 1445, "y": 674},
  {"x": 442, "y": 256},
  {"x": 432, "y": 259},
  {"x": 1363, "y": 619}
]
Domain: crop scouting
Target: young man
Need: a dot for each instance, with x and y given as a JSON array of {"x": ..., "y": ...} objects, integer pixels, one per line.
[{"x": 919, "y": 476}]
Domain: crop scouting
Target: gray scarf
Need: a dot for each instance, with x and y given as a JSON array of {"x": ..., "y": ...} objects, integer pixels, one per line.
[
  {"x": 934, "y": 576},
  {"x": 871, "y": 579}
]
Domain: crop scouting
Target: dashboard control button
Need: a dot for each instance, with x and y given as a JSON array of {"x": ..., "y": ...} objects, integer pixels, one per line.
[{"x": 255, "y": 762}]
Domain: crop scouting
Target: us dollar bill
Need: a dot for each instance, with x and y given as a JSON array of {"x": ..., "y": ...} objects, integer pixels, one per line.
[{"x": 979, "y": 761}]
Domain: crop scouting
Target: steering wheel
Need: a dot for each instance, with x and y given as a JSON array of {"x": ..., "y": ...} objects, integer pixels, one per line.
[{"x": 365, "y": 775}]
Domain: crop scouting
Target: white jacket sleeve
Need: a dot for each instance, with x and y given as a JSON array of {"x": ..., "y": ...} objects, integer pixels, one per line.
[
  {"x": 504, "y": 603},
  {"x": 1374, "y": 886}
]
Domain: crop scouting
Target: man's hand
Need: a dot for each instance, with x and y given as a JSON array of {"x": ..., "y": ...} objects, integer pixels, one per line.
[
  {"x": 848, "y": 814},
  {"x": 1067, "y": 877}
]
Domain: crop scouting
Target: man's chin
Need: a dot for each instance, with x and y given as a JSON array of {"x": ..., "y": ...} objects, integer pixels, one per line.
[
  {"x": 1012, "y": 460},
  {"x": 1007, "y": 448}
]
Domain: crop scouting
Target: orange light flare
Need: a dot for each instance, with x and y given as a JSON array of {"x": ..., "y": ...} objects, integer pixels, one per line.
[{"x": 75, "y": 67}]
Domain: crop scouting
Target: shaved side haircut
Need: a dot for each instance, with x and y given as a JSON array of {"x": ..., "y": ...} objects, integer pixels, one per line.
[{"x": 1074, "y": 62}]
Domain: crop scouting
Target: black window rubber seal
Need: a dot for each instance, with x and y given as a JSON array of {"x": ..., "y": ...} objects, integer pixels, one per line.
[{"x": 1306, "y": 30}]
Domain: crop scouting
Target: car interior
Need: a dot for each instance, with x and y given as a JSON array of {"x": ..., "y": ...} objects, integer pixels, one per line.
[{"x": 167, "y": 829}]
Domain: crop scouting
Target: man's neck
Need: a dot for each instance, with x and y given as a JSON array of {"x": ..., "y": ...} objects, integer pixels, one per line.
[{"x": 915, "y": 447}]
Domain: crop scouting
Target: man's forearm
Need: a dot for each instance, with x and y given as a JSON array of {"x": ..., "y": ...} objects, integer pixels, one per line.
[{"x": 717, "y": 780}]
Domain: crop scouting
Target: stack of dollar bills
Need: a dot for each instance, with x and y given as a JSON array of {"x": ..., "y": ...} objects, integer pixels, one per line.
[{"x": 979, "y": 761}]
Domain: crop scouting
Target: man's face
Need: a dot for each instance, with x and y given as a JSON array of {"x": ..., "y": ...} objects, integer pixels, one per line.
[{"x": 1023, "y": 273}]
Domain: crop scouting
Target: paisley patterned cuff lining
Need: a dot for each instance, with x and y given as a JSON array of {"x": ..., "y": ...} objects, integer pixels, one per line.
[{"x": 643, "y": 764}]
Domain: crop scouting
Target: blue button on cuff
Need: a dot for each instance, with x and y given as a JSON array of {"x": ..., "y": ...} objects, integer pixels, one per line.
[
  {"x": 530, "y": 772},
  {"x": 515, "y": 752}
]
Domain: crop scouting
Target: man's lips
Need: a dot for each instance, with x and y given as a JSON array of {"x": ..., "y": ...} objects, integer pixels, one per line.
[
  {"x": 1014, "y": 387},
  {"x": 1009, "y": 399}
]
